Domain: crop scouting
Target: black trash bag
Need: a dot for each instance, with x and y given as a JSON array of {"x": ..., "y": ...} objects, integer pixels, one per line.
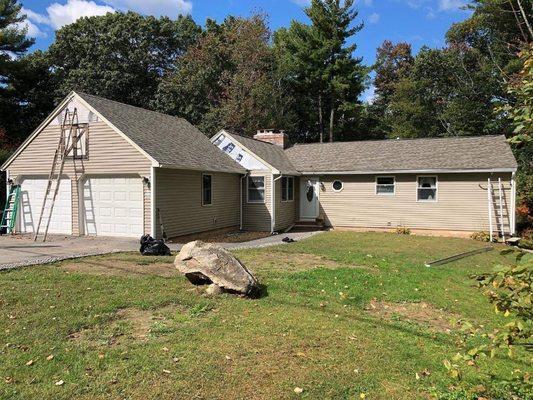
[
  {"x": 287, "y": 239},
  {"x": 153, "y": 247}
]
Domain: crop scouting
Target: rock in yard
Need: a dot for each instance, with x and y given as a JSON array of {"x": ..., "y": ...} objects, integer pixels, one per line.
[{"x": 206, "y": 264}]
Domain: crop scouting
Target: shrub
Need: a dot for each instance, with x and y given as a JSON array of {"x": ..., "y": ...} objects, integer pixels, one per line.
[
  {"x": 402, "y": 230},
  {"x": 527, "y": 239},
  {"x": 481, "y": 236}
]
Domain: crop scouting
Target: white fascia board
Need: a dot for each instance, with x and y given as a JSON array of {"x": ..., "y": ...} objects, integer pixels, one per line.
[
  {"x": 410, "y": 171},
  {"x": 272, "y": 169},
  {"x": 30, "y": 138},
  {"x": 185, "y": 168}
]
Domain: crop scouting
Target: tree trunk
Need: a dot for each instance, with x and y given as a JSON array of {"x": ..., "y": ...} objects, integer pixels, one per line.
[
  {"x": 331, "y": 118},
  {"x": 524, "y": 15},
  {"x": 320, "y": 118}
]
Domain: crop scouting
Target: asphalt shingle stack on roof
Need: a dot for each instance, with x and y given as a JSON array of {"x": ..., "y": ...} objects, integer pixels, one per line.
[
  {"x": 171, "y": 141},
  {"x": 271, "y": 153},
  {"x": 453, "y": 153}
]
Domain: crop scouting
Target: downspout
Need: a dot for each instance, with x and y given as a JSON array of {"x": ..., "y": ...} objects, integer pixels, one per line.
[
  {"x": 241, "y": 192},
  {"x": 273, "y": 199},
  {"x": 152, "y": 202},
  {"x": 513, "y": 204}
]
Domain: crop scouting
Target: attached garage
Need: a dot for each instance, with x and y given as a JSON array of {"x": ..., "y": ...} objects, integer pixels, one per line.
[
  {"x": 113, "y": 206},
  {"x": 32, "y": 196}
]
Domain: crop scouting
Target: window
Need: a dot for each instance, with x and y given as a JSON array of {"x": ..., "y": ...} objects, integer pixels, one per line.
[
  {"x": 385, "y": 185},
  {"x": 219, "y": 140},
  {"x": 239, "y": 158},
  {"x": 229, "y": 147},
  {"x": 287, "y": 188},
  {"x": 76, "y": 141},
  {"x": 427, "y": 188},
  {"x": 337, "y": 186},
  {"x": 207, "y": 193},
  {"x": 256, "y": 189}
]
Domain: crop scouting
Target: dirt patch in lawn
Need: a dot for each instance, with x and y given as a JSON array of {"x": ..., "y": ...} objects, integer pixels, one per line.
[
  {"x": 126, "y": 325},
  {"x": 289, "y": 262},
  {"x": 421, "y": 313},
  {"x": 221, "y": 236},
  {"x": 120, "y": 266}
]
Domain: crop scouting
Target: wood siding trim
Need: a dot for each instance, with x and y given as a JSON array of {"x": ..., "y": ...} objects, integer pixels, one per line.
[
  {"x": 461, "y": 205},
  {"x": 179, "y": 199}
]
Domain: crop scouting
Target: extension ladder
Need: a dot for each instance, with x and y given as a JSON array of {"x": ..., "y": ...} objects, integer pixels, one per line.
[
  {"x": 496, "y": 207},
  {"x": 9, "y": 217},
  {"x": 66, "y": 144}
]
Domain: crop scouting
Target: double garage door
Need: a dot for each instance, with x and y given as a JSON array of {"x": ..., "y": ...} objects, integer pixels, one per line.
[{"x": 109, "y": 206}]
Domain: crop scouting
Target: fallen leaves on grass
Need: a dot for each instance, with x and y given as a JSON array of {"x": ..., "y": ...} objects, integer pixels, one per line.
[
  {"x": 298, "y": 390},
  {"x": 60, "y": 383}
]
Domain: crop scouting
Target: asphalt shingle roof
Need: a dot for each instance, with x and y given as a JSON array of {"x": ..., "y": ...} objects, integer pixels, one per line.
[
  {"x": 271, "y": 153},
  {"x": 171, "y": 141},
  {"x": 453, "y": 153}
]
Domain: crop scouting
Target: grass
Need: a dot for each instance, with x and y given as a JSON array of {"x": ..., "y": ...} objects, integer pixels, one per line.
[{"x": 117, "y": 331}]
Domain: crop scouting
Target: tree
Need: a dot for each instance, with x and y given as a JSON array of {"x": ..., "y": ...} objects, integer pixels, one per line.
[
  {"x": 319, "y": 63},
  {"x": 228, "y": 79},
  {"x": 13, "y": 43},
  {"x": 120, "y": 56}
]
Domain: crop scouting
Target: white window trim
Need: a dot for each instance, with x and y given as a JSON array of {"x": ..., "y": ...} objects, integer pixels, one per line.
[
  {"x": 436, "y": 189},
  {"x": 393, "y": 185},
  {"x": 333, "y": 188},
  {"x": 293, "y": 189},
  {"x": 248, "y": 190},
  {"x": 202, "y": 190}
]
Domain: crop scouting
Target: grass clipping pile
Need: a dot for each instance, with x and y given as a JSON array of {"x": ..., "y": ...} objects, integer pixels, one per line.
[{"x": 208, "y": 264}]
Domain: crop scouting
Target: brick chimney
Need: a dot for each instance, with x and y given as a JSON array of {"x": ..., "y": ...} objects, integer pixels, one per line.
[{"x": 277, "y": 137}]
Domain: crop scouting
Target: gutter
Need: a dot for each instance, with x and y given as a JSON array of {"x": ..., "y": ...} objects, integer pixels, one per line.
[
  {"x": 242, "y": 177},
  {"x": 408, "y": 171}
]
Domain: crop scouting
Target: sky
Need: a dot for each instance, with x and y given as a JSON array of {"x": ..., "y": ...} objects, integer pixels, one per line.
[{"x": 419, "y": 22}]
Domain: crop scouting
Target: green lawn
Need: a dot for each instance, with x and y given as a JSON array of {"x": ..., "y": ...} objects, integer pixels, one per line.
[{"x": 128, "y": 327}]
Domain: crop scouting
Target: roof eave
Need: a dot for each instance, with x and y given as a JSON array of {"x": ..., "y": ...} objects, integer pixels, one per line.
[{"x": 410, "y": 171}]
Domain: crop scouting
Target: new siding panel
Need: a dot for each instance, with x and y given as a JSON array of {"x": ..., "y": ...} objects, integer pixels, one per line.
[
  {"x": 179, "y": 199},
  {"x": 285, "y": 210},
  {"x": 461, "y": 203},
  {"x": 257, "y": 216}
]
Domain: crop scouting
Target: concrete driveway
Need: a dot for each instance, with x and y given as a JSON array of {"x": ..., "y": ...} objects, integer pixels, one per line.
[{"x": 21, "y": 250}]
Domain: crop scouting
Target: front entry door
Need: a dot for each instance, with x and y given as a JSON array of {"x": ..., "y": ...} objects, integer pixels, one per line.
[{"x": 308, "y": 199}]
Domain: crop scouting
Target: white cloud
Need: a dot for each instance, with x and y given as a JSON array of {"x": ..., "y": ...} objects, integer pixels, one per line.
[
  {"x": 34, "y": 17},
  {"x": 170, "y": 8},
  {"x": 369, "y": 95},
  {"x": 374, "y": 18},
  {"x": 303, "y": 3},
  {"x": 32, "y": 30},
  {"x": 450, "y": 5},
  {"x": 64, "y": 14}
]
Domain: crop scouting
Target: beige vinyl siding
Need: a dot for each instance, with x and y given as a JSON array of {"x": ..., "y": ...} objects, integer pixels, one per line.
[
  {"x": 75, "y": 207},
  {"x": 108, "y": 154},
  {"x": 461, "y": 202},
  {"x": 257, "y": 216},
  {"x": 285, "y": 210},
  {"x": 179, "y": 199}
]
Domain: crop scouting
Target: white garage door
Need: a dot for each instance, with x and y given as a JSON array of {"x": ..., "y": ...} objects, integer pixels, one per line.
[
  {"x": 32, "y": 197},
  {"x": 113, "y": 206}
]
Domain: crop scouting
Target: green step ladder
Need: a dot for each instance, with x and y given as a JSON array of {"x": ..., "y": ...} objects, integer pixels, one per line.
[{"x": 9, "y": 217}]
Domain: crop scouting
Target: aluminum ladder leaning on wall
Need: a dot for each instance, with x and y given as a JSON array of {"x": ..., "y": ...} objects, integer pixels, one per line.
[
  {"x": 500, "y": 226},
  {"x": 69, "y": 137}
]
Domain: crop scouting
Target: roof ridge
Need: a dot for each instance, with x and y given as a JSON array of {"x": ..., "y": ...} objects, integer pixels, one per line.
[
  {"x": 130, "y": 106},
  {"x": 254, "y": 139},
  {"x": 400, "y": 140}
]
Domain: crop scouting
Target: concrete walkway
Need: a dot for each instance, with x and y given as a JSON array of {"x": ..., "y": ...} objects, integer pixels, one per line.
[{"x": 19, "y": 251}]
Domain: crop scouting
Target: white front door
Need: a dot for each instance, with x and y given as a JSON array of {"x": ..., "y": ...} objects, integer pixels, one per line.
[
  {"x": 31, "y": 200},
  {"x": 113, "y": 206},
  {"x": 308, "y": 198}
]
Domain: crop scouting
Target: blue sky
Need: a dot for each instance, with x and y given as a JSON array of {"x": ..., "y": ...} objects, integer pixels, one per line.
[{"x": 419, "y": 22}]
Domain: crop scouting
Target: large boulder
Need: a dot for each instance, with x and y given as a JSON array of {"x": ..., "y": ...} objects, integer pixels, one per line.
[{"x": 206, "y": 264}]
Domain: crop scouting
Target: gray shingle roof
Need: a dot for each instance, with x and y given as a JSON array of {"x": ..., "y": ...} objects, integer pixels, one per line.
[
  {"x": 171, "y": 141},
  {"x": 453, "y": 153},
  {"x": 271, "y": 153}
]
